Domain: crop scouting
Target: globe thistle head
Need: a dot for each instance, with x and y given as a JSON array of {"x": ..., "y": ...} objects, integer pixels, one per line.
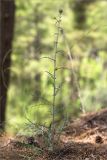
[{"x": 60, "y": 11}]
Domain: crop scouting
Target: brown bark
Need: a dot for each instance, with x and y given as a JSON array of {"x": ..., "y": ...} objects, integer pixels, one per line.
[{"x": 7, "y": 9}]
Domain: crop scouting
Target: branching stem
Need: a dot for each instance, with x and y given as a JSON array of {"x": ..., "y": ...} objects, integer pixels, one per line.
[{"x": 58, "y": 22}]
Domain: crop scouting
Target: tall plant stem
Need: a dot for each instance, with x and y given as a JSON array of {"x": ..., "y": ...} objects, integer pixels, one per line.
[{"x": 58, "y": 22}]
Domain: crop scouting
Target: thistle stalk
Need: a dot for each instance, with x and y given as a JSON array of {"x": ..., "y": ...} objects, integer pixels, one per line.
[{"x": 58, "y": 22}]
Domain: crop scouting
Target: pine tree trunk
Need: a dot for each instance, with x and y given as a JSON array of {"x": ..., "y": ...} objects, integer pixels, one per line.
[{"x": 7, "y": 10}]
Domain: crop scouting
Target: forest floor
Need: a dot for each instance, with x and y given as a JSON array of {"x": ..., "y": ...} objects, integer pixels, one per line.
[{"x": 82, "y": 139}]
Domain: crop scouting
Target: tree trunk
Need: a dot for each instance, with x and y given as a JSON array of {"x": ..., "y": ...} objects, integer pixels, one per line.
[
  {"x": 79, "y": 8},
  {"x": 7, "y": 10}
]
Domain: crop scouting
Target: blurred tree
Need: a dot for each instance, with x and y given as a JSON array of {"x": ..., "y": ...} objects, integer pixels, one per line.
[
  {"x": 7, "y": 9},
  {"x": 80, "y": 7},
  {"x": 37, "y": 48}
]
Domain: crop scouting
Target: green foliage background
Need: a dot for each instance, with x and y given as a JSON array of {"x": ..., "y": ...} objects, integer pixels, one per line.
[{"x": 34, "y": 38}]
